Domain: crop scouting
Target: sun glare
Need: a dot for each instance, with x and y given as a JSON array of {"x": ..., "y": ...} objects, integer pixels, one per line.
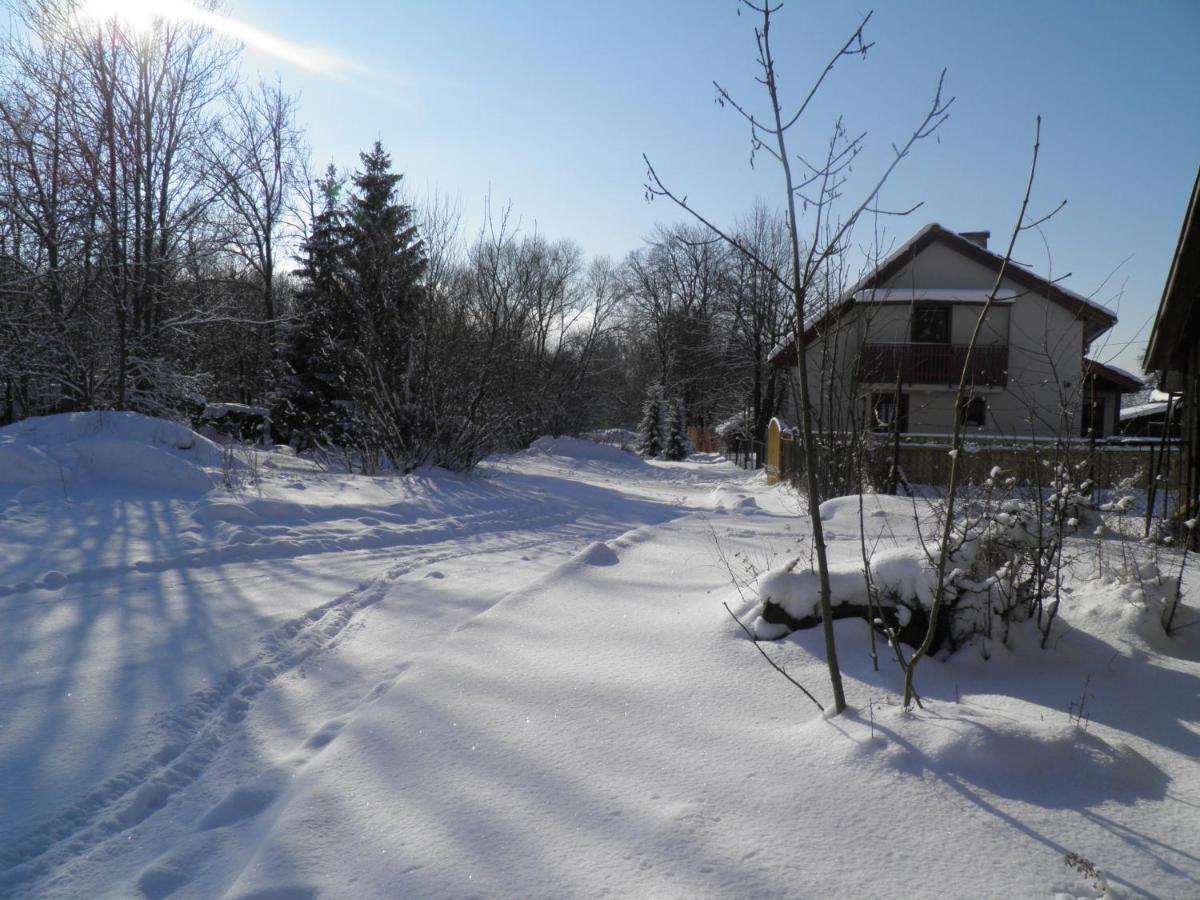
[
  {"x": 139, "y": 16},
  {"x": 136, "y": 15}
]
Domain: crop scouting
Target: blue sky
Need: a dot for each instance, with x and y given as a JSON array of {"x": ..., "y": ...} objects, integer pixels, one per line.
[{"x": 551, "y": 104}]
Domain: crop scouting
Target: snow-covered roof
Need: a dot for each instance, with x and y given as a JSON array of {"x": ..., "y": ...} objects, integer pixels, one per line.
[
  {"x": 937, "y": 295},
  {"x": 1144, "y": 409},
  {"x": 1020, "y": 270},
  {"x": 1098, "y": 318},
  {"x": 1109, "y": 377},
  {"x": 1127, "y": 374}
]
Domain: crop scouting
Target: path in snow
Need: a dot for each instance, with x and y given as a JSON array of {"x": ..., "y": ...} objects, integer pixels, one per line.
[{"x": 156, "y": 749}]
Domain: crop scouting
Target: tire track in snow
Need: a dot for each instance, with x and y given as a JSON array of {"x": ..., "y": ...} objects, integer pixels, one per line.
[{"x": 196, "y": 731}]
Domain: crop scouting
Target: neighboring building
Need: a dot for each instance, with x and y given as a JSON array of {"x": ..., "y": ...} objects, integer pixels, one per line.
[
  {"x": 904, "y": 330},
  {"x": 1145, "y": 415},
  {"x": 1174, "y": 348},
  {"x": 1103, "y": 388}
]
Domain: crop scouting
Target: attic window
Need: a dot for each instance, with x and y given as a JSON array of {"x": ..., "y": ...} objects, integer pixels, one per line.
[{"x": 931, "y": 325}]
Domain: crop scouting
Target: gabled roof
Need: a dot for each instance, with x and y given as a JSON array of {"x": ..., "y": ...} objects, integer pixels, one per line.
[
  {"x": 1095, "y": 317},
  {"x": 1111, "y": 377},
  {"x": 1178, "y": 309}
]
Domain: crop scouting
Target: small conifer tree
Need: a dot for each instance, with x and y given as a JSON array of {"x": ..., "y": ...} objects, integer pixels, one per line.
[
  {"x": 676, "y": 447},
  {"x": 650, "y": 432}
]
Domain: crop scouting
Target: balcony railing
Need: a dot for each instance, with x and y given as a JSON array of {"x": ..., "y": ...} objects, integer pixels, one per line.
[{"x": 940, "y": 364}]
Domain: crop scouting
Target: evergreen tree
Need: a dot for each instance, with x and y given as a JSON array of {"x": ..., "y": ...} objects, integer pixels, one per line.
[
  {"x": 315, "y": 347},
  {"x": 385, "y": 260},
  {"x": 650, "y": 432},
  {"x": 676, "y": 447}
]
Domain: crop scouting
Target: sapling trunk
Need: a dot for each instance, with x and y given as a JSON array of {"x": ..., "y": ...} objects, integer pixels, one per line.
[
  {"x": 943, "y": 549},
  {"x": 829, "y": 240}
]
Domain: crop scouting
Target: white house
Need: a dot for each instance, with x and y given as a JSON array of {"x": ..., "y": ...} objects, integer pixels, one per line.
[{"x": 903, "y": 331}]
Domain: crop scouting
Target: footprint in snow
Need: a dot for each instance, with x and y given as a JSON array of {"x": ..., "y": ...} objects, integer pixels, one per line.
[
  {"x": 324, "y": 735},
  {"x": 162, "y": 880},
  {"x": 246, "y": 801},
  {"x": 285, "y": 892},
  {"x": 54, "y": 581}
]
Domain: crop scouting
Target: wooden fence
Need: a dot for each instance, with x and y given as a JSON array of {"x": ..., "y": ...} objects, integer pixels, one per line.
[
  {"x": 927, "y": 460},
  {"x": 705, "y": 441}
]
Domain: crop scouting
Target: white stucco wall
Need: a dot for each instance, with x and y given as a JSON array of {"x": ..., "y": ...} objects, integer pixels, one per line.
[{"x": 1045, "y": 357}]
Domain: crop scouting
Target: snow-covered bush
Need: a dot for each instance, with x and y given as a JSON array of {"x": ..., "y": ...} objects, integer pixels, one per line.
[{"x": 1003, "y": 564}]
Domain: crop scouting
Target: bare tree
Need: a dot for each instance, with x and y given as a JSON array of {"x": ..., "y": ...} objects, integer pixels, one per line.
[
  {"x": 945, "y": 550},
  {"x": 759, "y": 309},
  {"x": 818, "y": 185},
  {"x": 253, "y": 159}
]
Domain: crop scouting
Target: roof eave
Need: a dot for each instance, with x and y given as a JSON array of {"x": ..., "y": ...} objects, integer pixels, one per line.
[{"x": 1175, "y": 305}]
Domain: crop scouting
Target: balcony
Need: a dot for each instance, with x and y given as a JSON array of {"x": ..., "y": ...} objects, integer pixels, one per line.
[{"x": 940, "y": 364}]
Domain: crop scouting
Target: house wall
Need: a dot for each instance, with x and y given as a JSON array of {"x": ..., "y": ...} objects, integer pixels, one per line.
[
  {"x": 890, "y": 323},
  {"x": 1045, "y": 363}
]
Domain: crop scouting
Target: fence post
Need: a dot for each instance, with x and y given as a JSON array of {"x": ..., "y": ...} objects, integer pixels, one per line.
[{"x": 773, "y": 433}]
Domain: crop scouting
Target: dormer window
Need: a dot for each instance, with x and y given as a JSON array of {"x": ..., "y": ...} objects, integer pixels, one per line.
[{"x": 931, "y": 325}]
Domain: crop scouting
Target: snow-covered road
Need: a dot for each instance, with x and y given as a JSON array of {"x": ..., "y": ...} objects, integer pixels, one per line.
[{"x": 145, "y": 624}]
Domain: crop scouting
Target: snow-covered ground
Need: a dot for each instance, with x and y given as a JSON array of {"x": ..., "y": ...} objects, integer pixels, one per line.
[{"x": 226, "y": 676}]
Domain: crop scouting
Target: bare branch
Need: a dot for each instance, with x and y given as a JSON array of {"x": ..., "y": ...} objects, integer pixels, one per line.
[{"x": 774, "y": 665}]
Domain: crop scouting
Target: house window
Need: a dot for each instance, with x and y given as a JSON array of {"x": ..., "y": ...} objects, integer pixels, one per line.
[
  {"x": 884, "y": 414},
  {"x": 931, "y": 325},
  {"x": 973, "y": 412}
]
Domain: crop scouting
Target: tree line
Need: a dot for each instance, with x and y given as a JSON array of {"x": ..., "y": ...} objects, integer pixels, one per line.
[{"x": 164, "y": 243}]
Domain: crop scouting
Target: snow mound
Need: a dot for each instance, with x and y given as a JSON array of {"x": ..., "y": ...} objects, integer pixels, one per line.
[
  {"x": 584, "y": 451},
  {"x": 842, "y": 512},
  {"x": 598, "y": 554},
  {"x": 901, "y": 575},
  {"x": 124, "y": 447},
  {"x": 730, "y": 499}
]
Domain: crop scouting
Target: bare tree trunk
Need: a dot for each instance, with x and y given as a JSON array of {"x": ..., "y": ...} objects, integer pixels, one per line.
[{"x": 944, "y": 550}]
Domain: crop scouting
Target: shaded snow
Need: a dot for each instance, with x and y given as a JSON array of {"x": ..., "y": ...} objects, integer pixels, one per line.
[{"x": 121, "y": 447}]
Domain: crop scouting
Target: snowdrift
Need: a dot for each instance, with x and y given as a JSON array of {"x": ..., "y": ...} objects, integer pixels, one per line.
[
  {"x": 729, "y": 498},
  {"x": 584, "y": 451},
  {"x": 123, "y": 447}
]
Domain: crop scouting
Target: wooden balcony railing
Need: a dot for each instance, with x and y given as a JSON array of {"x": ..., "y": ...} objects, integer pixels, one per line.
[{"x": 940, "y": 364}]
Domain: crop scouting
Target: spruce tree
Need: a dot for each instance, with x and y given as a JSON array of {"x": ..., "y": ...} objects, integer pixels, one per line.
[
  {"x": 676, "y": 447},
  {"x": 650, "y": 431},
  {"x": 385, "y": 261},
  {"x": 311, "y": 404}
]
